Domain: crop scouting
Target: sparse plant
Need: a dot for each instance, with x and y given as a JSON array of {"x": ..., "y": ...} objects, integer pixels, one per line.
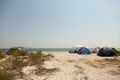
[
  {"x": 6, "y": 76},
  {"x": 36, "y": 58},
  {"x": 50, "y": 55},
  {"x": 85, "y": 78},
  {"x": 94, "y": 51},
  {"x": 18, "y": 63},
  {"x": 13, "y": 64},
  {"x": 39, "y": 52},
  {"x": 118, "y": 53},
  {"x": 43, "y": 71},
  {"x": 71, "y": 60},
  {"x": 2, "y": 54}
]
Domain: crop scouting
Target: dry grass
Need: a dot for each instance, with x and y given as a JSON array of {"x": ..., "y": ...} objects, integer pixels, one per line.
[
  {"x": 81, "y": 69},
  {"x": 90, "y": 63},
  {"x": 82, "y": 59},
  {"x": 103, "y": 63},
  {"x": 115, "y": 72},
  {"x": 108, "y": 62},
  {"x": 71, "y": 61},
  {"x": 85, "y": 78},
  {"x": 2, "y": 53},
  {"x": 15, "y": 63},
  {"x": 45, "y": 71},
  {"x": 6, "y": 75}
]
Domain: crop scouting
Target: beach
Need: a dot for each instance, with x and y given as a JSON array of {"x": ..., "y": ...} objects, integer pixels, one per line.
[{"x": 76, "y": 67}]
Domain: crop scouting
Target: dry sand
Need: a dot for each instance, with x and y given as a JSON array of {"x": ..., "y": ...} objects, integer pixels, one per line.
[{"x": 77, "y": 67}]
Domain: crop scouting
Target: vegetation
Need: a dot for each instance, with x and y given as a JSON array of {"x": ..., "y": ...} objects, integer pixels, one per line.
[
  {"x": 94, "y": 51},
  {"x": 15, "y": 62},
  {"x": 16, "y": 52},
  {"x": 36, "y": 58},
  {"x": 6, "y": 76},
  {"x": 118, "y": 53},
  {"x": 2, "y": 54},
  {"x": 13, "y": 51}
]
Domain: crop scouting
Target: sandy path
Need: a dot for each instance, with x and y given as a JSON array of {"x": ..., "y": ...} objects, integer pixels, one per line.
[{"x": 78, "y": 67}]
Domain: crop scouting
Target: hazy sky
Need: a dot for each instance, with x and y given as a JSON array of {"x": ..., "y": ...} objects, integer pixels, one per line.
[{"x": 59, "y": 23}]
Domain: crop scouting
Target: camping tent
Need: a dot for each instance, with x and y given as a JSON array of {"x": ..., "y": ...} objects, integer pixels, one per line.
[
  {"x": 83, "y": 50},
  {"x": 107, "y": 52},
  {"x": 75, "y": 48}
]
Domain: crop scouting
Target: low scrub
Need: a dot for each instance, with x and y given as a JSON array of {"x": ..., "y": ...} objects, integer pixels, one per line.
[
  {"x": 6, "y": 76},
  {"x": 36, "y": 58},
  {"x": 2, "y": 54},
  {"x": 44, "y": 71},
  {"x": 17, "y": 52},
  {"x": 15, "y": 63}
]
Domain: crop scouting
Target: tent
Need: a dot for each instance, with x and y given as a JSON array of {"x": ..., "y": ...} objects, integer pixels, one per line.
[
  {"x": 75, "y": 49},
  {"x": 107, "y": 52},
  {"x": 83, "y": 50}
]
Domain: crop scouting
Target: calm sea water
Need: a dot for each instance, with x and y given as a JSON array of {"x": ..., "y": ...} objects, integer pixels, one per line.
[
  {"x": 50, "y": 49},
  {"x": 47, "y": 49}
]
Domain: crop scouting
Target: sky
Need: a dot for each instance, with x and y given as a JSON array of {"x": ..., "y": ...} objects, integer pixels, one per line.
[{"x": 59, "y": 23}]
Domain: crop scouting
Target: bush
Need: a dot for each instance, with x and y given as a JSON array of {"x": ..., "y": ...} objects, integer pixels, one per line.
[
  {"x": 36, "y": 58},
  {"x": 2, "y": 53},
  {"x": 118, "y": 53},
  {"x": 14, "y": 63},
  {"x": 94, "y": 51},
  {"x": 16, "y": 52},
  {"x": 13, "y": 51},
  {"x": 18, "y": 63}
]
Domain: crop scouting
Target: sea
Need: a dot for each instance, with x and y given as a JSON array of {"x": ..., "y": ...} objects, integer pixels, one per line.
[{"x": 47, "y": 49}]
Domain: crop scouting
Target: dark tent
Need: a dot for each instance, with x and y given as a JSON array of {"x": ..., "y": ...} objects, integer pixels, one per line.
[
  {"x": 107, "y": 52},
  {"x": 83, "y": 50}
]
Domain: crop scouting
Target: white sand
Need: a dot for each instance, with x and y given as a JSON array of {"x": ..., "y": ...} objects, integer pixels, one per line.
[{"x": 73, "y": 67}]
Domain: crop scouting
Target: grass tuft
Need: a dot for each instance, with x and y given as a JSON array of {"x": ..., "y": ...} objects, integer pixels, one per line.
[{"x": 6, "y": 76}]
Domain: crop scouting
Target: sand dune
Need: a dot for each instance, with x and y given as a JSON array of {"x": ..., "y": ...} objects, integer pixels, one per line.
[{"x": 77, "y": 67}]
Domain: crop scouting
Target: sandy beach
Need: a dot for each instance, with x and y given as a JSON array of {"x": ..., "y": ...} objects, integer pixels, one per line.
[{"x": 76, "y": 67}]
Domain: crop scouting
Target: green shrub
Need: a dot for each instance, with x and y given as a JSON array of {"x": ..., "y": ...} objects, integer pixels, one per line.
[
  {"x": 13, "y": 51},
  {"x": 13, "y": 63},
  {"x": 118, "y": 53},
  {"x": 39, "y": 52},
  {"x": 16, "y": 52},
  {"x": 94, "y": 51},
  {"x": 2, "y": 55},
  {"x": 18, "y": 63},
  {"x": 36, "y": 58}
]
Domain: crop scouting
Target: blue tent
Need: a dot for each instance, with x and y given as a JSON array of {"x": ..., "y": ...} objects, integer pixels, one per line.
[{"x": 83, "y": 50}]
